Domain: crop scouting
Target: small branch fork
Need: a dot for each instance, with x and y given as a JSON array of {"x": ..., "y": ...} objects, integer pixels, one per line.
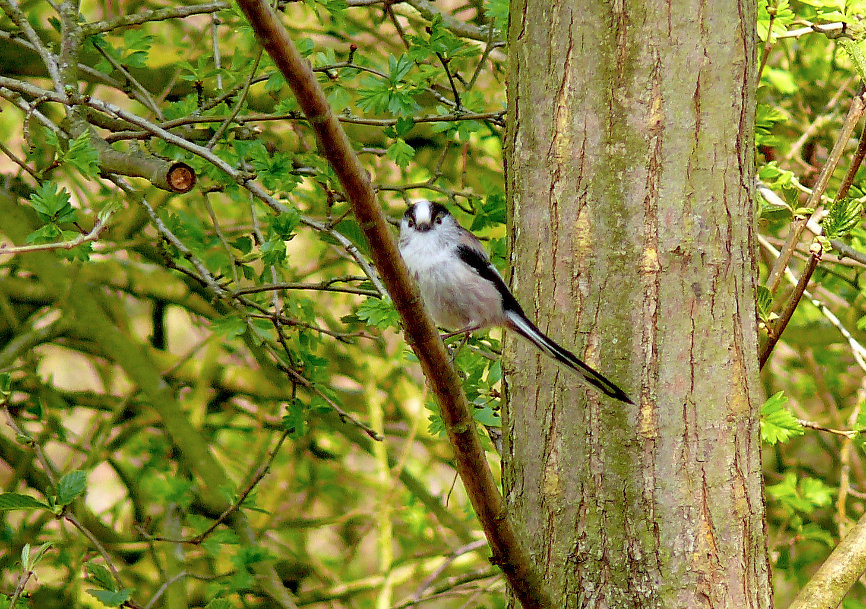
[
  {"x": 471, "y": 461},
  {"x": 858, "y": 107}
]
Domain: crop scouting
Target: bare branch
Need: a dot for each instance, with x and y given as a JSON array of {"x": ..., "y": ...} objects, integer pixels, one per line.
[
  {"x": 855, "y": 112},
  {"x": 93, "y": 235},
  {"x": 421, "y": 333}
]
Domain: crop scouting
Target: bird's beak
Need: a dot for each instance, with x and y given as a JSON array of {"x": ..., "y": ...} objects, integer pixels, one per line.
[{"x": 423, "y": 227}]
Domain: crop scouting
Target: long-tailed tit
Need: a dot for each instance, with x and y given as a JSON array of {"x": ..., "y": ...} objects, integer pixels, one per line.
[{"x": 464, "y": 291}]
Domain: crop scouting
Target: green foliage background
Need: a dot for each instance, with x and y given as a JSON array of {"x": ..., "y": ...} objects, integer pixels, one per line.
[{"x": 167, "y": 357}]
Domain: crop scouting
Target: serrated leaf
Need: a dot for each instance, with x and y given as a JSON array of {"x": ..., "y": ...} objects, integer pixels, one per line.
[
  {"x": 378, "y": 313},
  {"x": 111, "y": 598},
  {"x": 487, "y": 416},
  {"x": 284, "y": 224},
  {"x": 71, "y": 486},
  {"x": 52, "y": 204},
  {"x": 17, "y": 501},
  {"x": 778, "y": 424},
  {"x": 497, "y": 11},
  {"x": 781, "y": 18},
  {"x": 294, "y": 421},
  {"x": 842, "y": 217},
  {"x": 401, "y": 153},
  {"x": 82, "y": 155},
  {"x": 491, "y": 212}
]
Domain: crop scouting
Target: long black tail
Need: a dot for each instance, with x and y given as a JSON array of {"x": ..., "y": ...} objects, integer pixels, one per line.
[{"x": 529, "y": 331}]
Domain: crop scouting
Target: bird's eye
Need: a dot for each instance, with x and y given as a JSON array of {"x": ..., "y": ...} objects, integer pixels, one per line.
[
  {"x": 438, "y": 219},
  {"x": 410, "y": 222}
]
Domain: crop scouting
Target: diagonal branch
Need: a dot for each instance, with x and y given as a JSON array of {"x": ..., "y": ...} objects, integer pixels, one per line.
[
  {"x": 845, "y": 565},
  {"x": 421, "y": 334},
  {"x": 858, "y": 106}
]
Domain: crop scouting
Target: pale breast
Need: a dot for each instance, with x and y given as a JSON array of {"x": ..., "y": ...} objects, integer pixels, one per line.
[{"x": 453, "y": 292}]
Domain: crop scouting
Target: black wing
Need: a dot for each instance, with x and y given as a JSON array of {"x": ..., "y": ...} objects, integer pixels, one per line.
[{"x": 479, "y": 262}]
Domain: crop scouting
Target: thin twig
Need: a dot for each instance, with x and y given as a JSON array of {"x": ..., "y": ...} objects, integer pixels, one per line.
[
  {"x": 14, "y": 12},
  {"x": 814, "y": 28},
  {"x": 238, "y": 105},
  {"x": 180, "y": 575},
  {"x": 324, "y": 286},
  {"x": 856, "y": 161},
  {"x": 768, "y": 45},
  {"x": 98, "y": 228},
  {"x": 19, "y": 162},
  {"x": 257, "y": 477},
  {"x": 856, "y": 111},
  {"x": 144, "y": 95},
  {"x": 444, "y": 63}
]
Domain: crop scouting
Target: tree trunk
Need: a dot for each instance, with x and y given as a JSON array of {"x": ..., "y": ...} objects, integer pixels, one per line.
[{"x": 630, "y": 168}]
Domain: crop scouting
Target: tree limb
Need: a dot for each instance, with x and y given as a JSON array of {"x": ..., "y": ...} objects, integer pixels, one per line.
[
  {"x": 420, "y": 331},
  {"x": 839, "y": 572}
]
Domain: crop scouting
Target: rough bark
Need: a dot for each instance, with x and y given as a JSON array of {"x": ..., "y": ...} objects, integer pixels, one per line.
[{"x": 630, "y": 164}]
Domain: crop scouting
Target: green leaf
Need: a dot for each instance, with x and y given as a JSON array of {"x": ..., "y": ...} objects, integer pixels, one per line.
[
  {"x": 294, "y": 421},
  {"x": 111, "y": 598},
  {"x": 497, "y": 11},
  {"x": 374, "y": 97},
  {"x": 164, "y": 489},
  {"x": 378, "y": 313},
  {"x": 768, "y": 117},
  {"x": 136, "y": 45},
  {"x": 5, "y": 384},
  {"x": 100, "y": 576},
  {"x": 781, "y": 80},
  {"x": 398, "y": 68},
  {"x": 782, "y": 17},
  {"x": 273, "y": 251},
  {"x": 35, "y": 558},
  {"x": 401, "y": 153},
  {"x": 765, "y": 304},
  {"x": 284, "y": 224},
  {"x": 778, "y": 424},
  {"x": 71, "y": 486},
  {"x": 82, "y": 155},
  {"x": 275, "y": 82},
  {"x": 17, "y": 501},
  {"x": 262, "y": 330},
  {"x": 487, "y": 416},
  {"x": 52, "y": 204},
  {"x": 219, "y": 603},
  {"x": 842, "y": 217},
  {"x": 214, "y": 544},
  {"x": 491, "y": 213}
]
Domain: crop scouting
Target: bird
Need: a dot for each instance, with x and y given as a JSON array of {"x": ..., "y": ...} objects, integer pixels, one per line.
[{"x": 463, "y": 291}]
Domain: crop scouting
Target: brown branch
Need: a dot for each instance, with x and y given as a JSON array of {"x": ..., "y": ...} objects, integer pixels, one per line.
[
  {"x": 854, "y": 113},
  {"x": 775, "y": 332},
  {"x": 839, "y": 572},
  {"x": 421, "y": 333},
  {"x": 853, "y": 168}
]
